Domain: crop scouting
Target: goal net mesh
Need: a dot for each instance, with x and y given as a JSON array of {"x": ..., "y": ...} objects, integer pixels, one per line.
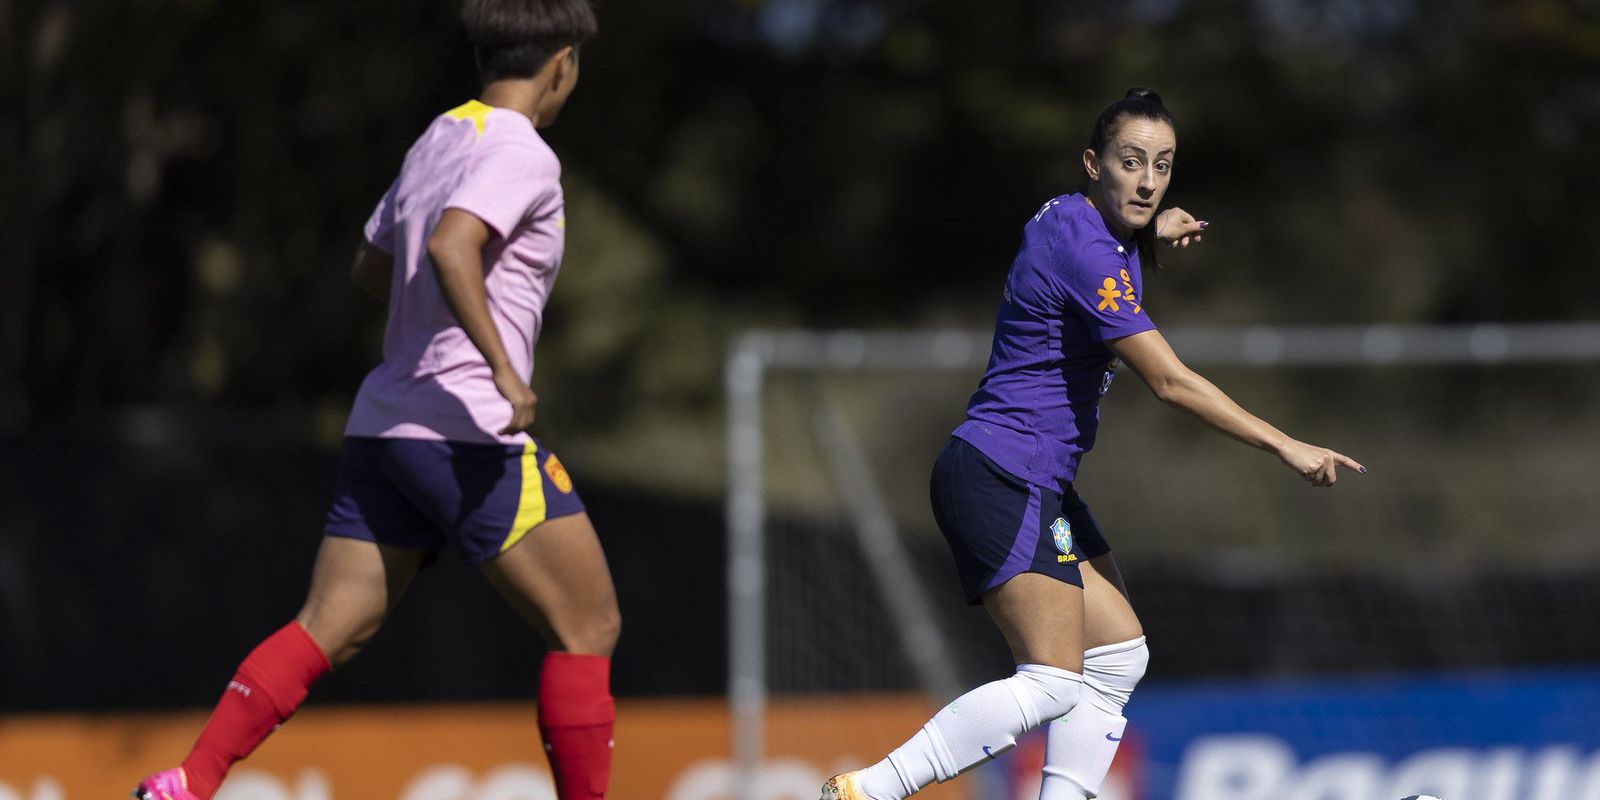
[{"x": 1474, "y": 540}]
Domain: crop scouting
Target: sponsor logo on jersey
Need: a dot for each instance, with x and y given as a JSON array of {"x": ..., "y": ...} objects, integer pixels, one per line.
[
  {"x": 558, "y": 474},
  {"x": 1061, "y": 532},
  {"x": 1110, "y": 294},
  {"x": 1127, "y": 292}
]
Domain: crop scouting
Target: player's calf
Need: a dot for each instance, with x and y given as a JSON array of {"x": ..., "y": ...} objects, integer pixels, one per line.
[
  {"x": 576, "y": 718},
  {"x": 269, "y": 685},
  {"x": 977, "y": 727}
]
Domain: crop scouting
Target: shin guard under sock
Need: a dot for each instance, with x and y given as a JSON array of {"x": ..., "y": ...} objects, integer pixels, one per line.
[
  {"x": 271, "y": 683},
  {"x": 978, "y": 726},
  {"x": 1082, "y": 745},
  {"x": 576, "y": 717}
]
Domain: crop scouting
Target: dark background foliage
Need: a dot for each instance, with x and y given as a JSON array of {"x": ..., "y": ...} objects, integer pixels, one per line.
[{"x": 184, "y": 183}]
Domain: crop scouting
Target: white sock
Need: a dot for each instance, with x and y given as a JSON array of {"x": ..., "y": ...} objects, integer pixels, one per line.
[
  {"x": 1081, "y": 745},
  {"x": 978, "y": 726}
]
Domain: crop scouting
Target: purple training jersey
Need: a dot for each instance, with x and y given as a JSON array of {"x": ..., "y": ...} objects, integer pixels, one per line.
[
  {"x": 433, "y": 383},
  {"x": 1072, "y": 288}
]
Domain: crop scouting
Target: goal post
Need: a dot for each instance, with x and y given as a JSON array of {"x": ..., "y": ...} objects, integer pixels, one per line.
[{"x": 758, "y": 358}]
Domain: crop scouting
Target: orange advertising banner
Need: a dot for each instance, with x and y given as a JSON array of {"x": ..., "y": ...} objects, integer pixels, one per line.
[{"x": 665, "y": 750}]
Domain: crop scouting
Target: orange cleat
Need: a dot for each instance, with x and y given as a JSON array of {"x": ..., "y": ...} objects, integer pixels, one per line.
[{"x": 842, "y": 787}]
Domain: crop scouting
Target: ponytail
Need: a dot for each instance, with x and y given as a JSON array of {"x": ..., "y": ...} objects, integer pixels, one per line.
[{"x": 1149, "y": 257}]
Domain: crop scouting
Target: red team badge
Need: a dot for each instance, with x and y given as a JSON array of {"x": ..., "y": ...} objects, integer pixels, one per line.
[{"x": 558, "y": 474}]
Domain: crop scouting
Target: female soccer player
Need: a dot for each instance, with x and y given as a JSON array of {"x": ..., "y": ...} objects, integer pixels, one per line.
[
  {"x": 465, "y": 247},
  {"x": 1024, "y": 542}
]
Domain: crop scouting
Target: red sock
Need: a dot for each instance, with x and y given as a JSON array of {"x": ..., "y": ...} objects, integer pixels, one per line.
[
  {"x": 269, "y": 686},
  {"x": 576, "y": 716}
]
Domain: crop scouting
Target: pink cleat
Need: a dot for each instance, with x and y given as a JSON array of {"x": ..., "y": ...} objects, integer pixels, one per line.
[{"x": 170, "y": 784}]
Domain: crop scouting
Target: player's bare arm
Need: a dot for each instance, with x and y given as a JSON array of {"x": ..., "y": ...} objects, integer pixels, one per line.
[
  {"x": 373, "y": 271},
  {"x": 1172, "y": 382},
  {"x": 456, "y": 250}
]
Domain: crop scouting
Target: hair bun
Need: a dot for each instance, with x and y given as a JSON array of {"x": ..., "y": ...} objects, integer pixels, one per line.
[{"x": 1145, "y": 94}]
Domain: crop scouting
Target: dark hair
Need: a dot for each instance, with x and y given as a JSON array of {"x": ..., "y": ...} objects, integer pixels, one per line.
[
  {"x": 1138, "y": 103},
  {"x": 514, "y": 38}
]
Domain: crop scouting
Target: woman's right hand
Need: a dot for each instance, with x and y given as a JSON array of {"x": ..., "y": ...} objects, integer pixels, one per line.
[
  {"x": 522, "y": 399},
  {"x": 1319, "y": 465}
]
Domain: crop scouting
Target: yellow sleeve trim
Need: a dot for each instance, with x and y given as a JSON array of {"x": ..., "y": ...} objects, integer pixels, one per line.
[{"x": 474, "y": 110}]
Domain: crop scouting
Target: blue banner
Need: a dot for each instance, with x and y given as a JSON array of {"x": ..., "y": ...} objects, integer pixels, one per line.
[{"x": 1525, "y": 735}]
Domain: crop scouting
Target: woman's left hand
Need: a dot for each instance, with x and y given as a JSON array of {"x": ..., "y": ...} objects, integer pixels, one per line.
[{"x": 1179, "y": 227}]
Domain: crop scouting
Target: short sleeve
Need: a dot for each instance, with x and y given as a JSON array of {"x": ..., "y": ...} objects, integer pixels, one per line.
[
  {"x": 505, "y": 185},
  {"x": 1103, "y": 293},
  {"x": 379, "y": 230}
]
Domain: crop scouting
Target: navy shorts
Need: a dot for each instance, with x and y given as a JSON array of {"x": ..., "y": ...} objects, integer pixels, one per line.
[
  {"x": 1000, "y": 526},
  {"x": 424, "y": 494}
]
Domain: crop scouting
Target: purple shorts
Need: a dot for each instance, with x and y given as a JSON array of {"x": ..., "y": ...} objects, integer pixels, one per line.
[
  {"x": 999, "y": 526},
  {"x": 424, "y": 494}
]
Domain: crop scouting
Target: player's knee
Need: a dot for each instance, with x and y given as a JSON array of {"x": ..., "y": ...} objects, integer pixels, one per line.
[
  {"x": 607, "y": 628},
  {"x": 611, "y": 627},
  {"x": 1112, "y": 672},
  {"x": 602, "y": 629},
  {"x": 1044, "y": 693},
  {"x": 340, "y": 639},
  {"x": 356, "y": 642},
  {"x": 596, "y": 633}
]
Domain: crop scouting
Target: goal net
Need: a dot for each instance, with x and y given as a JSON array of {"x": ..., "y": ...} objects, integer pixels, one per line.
[{"x": 1471, "y": 542}]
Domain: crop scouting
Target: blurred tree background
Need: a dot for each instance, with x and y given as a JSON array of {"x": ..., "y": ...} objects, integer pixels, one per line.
[{"x": 185, "y": 180}]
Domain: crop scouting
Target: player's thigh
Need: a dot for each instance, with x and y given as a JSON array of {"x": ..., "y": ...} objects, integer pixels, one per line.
[
  {"x": 1042, "y": 619},
  {"x": 558, "y": 579},
  {"x": 1108, "y": 615},
  {"x": 353, "y": 586}
]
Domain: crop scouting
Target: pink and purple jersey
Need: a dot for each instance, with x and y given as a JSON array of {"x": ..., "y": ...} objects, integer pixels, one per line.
[
  {"x": 1073, "y": 286},
  {"x": 433, "y": 383}
]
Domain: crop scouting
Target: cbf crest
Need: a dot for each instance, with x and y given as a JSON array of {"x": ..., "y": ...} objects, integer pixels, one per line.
[{"x": 1061, "y": 532}]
